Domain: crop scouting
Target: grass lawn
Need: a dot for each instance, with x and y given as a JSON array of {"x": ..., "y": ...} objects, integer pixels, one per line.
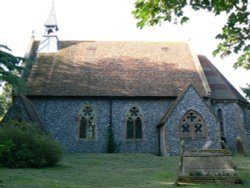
[{"x": 109, "y": 170}]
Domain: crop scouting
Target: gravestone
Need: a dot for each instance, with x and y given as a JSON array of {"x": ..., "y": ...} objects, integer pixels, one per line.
[
  {"x": 240, "y": 147},
  {"x": 206, "y": 166}
]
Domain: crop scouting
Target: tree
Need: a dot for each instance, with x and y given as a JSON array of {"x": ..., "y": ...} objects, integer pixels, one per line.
[
  {"x": 235, "y": 35},
  {"x": 10, "y": 78},
  {"x": 247, "y": 94},
  {"x": 6, "y": 99},
  {"x": 10, "y": 69},
  {"x": 247, "y": 91}
]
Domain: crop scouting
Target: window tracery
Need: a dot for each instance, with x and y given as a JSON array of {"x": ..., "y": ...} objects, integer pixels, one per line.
[
  {"x": 134, "y": 123},
  {"x": 87, "y": 123}
]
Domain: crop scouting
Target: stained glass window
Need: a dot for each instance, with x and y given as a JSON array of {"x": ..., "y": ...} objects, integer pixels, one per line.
[
  {"x": 192, "y": 125},
  {"x": 134, "y": 123},
  {"x": 87, "y": 127}
]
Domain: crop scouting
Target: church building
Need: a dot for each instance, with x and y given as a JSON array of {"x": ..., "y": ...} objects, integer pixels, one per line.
[{"x": 152, "y": 94}]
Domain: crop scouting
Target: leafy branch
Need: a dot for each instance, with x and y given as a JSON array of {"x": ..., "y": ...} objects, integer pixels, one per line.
[{"x": 11, "y": 69}]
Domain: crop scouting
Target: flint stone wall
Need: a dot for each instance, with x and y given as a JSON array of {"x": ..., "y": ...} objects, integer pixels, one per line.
[
  {"x": 191, "y": 101},
  {"x": 60, "y": 119}
]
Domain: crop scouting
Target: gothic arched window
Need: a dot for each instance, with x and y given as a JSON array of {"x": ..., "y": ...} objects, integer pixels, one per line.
[
  {"x": 192, "y": 126},
  {"x": 87, "y": 123},
  {"x": 134, "y": 123}
]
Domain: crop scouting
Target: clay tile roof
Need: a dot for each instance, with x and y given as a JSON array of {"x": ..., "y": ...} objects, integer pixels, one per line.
[
  {"x": 90, "y": 68},
  {"x": 221, "y": 88}
]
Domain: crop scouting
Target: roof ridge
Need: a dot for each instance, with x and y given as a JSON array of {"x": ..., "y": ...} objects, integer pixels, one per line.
[{"x": 139, "y": 41}]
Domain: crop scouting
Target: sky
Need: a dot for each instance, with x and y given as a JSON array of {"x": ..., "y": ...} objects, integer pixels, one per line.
[{"x": 111, "y": 20}]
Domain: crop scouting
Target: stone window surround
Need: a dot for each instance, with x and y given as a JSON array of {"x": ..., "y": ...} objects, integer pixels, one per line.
[
  {"x": 141, "y": 116},
  {"x": 192, "y": 135},
  {"x": 95, "y": 122}
]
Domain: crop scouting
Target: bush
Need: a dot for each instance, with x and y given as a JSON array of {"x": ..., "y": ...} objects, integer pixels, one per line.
[
  {"x": 30, "y": 148},
  {"x": 6, "y": 145}
]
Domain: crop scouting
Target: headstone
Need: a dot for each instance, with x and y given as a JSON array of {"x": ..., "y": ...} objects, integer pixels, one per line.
[{"x": 240, "y": 146}]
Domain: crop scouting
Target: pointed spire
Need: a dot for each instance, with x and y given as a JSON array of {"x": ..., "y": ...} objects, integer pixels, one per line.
[
  {"x": 51, "y": 21},
  {"x": 49, "y": 42}
]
